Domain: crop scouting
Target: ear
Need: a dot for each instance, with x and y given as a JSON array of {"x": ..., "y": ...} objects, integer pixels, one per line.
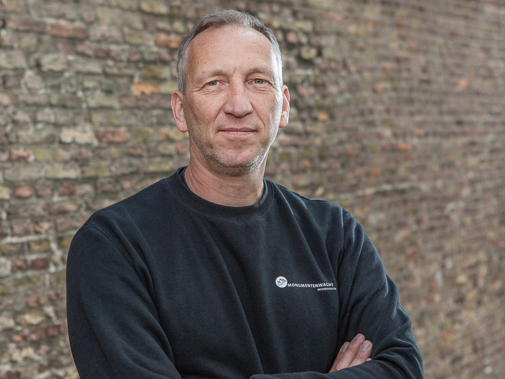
[
  {"x": 285, "y": 107},
  {"x": 178, "y": 111}
]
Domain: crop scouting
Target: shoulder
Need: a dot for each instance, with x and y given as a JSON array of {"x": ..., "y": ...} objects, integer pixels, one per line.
[
  {"x": 139, "y": 208},
  {"x": 304, "y": 205}
]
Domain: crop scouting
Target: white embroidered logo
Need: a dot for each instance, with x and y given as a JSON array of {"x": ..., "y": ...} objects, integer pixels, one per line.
[{"x": 281, "y": 282}]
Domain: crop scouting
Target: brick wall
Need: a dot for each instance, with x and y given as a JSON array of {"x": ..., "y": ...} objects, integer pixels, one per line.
[{"x": 397, "y": 114}]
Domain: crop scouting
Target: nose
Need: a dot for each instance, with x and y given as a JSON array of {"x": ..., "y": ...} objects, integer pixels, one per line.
[{"x": 237, "y": 102}]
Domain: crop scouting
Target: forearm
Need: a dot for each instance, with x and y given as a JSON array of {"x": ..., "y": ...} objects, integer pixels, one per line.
[{"x": 373, "y": 369}]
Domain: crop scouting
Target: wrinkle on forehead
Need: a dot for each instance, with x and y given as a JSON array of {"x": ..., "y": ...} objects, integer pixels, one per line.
[{"x": 207, "y": 60}]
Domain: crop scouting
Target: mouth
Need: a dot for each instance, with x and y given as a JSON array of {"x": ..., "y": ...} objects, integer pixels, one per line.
[{"x": 238, "y": 132}]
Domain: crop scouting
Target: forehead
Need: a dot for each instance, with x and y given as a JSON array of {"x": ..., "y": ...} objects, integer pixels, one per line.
[{"x": 230, "y": 45}]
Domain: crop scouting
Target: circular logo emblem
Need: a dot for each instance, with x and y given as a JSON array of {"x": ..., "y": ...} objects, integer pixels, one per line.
[{"x": 281, "y": 282}]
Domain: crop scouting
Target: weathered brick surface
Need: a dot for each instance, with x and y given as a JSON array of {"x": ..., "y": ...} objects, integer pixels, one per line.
[{"x": 397, "y": 114}]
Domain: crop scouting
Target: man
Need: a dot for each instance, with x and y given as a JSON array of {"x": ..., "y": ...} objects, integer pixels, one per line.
[{"x": 215, "y": 272}]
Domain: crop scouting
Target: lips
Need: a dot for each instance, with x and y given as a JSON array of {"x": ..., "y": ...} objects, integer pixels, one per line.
[{"x": 237, "y": 131}]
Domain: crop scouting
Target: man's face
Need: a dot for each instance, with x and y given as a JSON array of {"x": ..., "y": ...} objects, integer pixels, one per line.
[{"x": 234, "y": 102}]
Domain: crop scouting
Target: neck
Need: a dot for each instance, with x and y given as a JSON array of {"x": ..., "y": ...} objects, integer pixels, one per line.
[{"x": 223, "y": 189}]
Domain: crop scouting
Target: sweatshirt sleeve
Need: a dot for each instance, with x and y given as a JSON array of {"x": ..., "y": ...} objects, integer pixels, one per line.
[
  {"x": 113, "y": 324},
  {"x": 369, "y": 304}
]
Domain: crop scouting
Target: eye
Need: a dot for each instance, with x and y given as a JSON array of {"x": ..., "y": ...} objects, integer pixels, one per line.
[
  {"x": 213, "y": 83},
  {"x": 259, "y": 81}
]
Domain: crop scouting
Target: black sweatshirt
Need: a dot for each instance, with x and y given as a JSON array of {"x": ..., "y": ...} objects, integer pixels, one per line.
[{"x": 165, "y": 284}]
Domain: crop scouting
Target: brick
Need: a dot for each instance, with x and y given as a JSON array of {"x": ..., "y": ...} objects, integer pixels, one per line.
[
  {"x": 159, "y": 166},
  {"x": 18, "y": 265},
  {"x": 5, "y": 100},
  {"x": 85, "y": 154},
  {"x": 61, "y": 172},
  {"x": 34, "y": 137},
  {"x": 41, "y": 155},
  {"x": 24, "y": 191},
  {"x": 7, "y": 41},
  {"x": 144, "y": 88},
  {"x": 34, "y": 317},
  {"x": 31, "y": 99},
  {"x": 68, "y": 12},
  {"x": 6, "y": 322},
  {"x": 19, "y": 154},
  {"x": 107, "y": 86},
  {"x": 113, "y": 135},
  {"x": 135, "y": 150},
  {"x": 21, "y": 228},
  {"x": 41, "y": 263},
  {"x": 65, "y": 100},
  {"x": 154, "y": 7},
  {"x": 172, "y": 134},
  {"x": 11, "y": 249},
  {"x": 150, "y": 55},
  {"x": 14, "y": 6},
  {"x": 154, "y": 72},
  {"x": 168, "y": 87},
  {"x": 101, "y": 52},
  {"x": 62, "y": 155},
  {"x": 159, "y": 101},
  {"x": 64, "y": 207},
  {"x": 99, "y": 203},
  {"x": 84, "y": 49},
  {"x": 131, "y": 5},
  {"x": 120, "y": 69},
  {"x": 39, "y": 246},
  {"x": 144, "y": 134},
  {"x": 53, "y": 62},
  {"x": 22, "y": 173},
  {"x": 127, "y": 167},
  {"x": 182, "y": 148},
  {"x": 77, "y": 136},
  {"x": 32, "y": 80},
  {"x": 24, "y": 24},
  {"x": 136, "y": 37},
  {"x": 27, "y": 210},
  {"x": 43, "y": 227},
  {"x": 166, "y": 149},
  {"x": 75, "y": 31},
  {"x": 65, "y": 117},
  {"x": 28, "y": 282},
  {"x": 64, "y": 242},
  {"x": 119, "y": 18},
  {"x": 100, "y": 100},
  {"x": 164, "y": 56},
  {"x": 69, "y": 224},
  {"x": 12, "y": 60},
  {"x": 48, "y": 331},
  {"x": 85, "y": 65},
  {"x": 308, "y": 52},
  {"x": 44, "y": 190},
  {"x": 94, "y": 2},
  {"x": 22, "y": 119},
  {"x": 27, "y": 43},
  {"x": 105, "y": 34},
  {"x": 163, "y": 27},
  {"x": 59, "y": 278},
  {"x": 97, "y": 170},
  {"x": 5, "y": 192}
]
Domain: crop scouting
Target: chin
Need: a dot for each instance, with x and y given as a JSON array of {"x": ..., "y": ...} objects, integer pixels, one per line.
[{"x": 238, "y": 168}]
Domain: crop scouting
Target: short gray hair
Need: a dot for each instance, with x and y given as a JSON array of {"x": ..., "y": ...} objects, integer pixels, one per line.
[{"x": 217, "y": 20}]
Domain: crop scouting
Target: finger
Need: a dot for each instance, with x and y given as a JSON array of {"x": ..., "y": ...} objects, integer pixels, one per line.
[
  {"x": 350, "y": 352},
  {"x": 339, "y": 356},
  {"x": 363, "y": 354}
]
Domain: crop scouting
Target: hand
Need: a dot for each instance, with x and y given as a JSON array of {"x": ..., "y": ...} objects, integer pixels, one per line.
[{"x": 353, "y": 354}]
